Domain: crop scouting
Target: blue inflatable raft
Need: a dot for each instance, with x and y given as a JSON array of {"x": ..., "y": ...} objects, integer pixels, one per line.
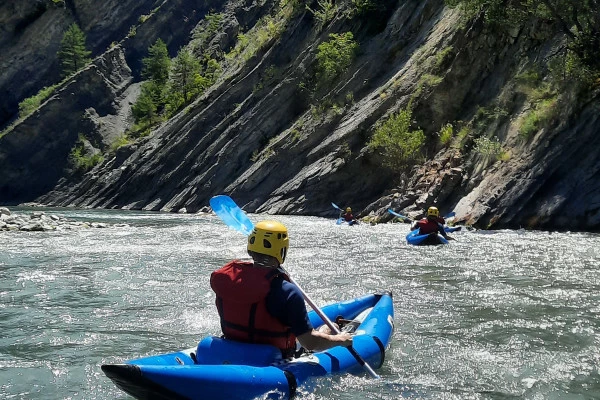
[
  {"x": 223, "y": 369},
  {"x": 431, "y": 238},
  {"x": 425, "y": 240},
  {"x": 342, "y": 221}
]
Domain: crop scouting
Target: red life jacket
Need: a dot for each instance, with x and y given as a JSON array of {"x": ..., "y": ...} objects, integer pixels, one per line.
[
  {"x": 241, "y": 290},
  {"x": 427, "y": 226},
  {"x": 348, "y": 217}
]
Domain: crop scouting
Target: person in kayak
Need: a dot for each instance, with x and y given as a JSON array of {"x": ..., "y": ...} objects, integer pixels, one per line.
[
  {"x": 348, "y": 217},
  {"x": 433, "y": 223},
  {"x": 258, "y": 304}
]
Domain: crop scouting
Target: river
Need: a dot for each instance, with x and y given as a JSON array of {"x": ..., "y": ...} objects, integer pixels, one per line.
[{"x": 492, "y": 315}]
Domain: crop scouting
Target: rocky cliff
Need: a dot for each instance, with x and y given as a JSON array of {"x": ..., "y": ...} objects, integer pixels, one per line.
[{"x": 276, "y": 143}]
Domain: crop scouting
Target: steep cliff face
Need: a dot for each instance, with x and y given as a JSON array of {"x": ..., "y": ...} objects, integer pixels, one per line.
[
  {"x": 35, "y": 154},
  {"x": 276, "y": 147},
  {"x": 96, "y": 103},
  {"x": 32, "y": 32},
  {"x": 551, "y": 184}
]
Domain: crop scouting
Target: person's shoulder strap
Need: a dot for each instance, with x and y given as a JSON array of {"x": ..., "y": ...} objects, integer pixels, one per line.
[{"x": 278, "y": 272}]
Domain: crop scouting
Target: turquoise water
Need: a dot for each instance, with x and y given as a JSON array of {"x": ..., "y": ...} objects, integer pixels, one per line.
[{"x": 493, "y": 315}]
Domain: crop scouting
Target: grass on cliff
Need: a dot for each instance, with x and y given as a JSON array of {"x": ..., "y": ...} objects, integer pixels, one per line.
[
  {"x": 265, "y": 31},
  {"x": 31, "y": 104},
  {"x": 539, "y": 116},
  {"x": 248, "y": 44}
]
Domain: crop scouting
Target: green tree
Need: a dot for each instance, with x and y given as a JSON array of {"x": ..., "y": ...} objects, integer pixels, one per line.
[
  {"x": 185, "y": 79},
  {"x": 398, "y": 144},
  {"x": 72, "y": 53},
  {"x": 157, "y": 64},
  {"x": 212, "y": 69},
  {"x": 145, "y": 109},
  {"x": 156, "y": 70},
  {"x": 326, "y": 11}
]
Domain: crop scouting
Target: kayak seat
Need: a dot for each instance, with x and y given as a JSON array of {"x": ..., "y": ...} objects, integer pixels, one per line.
[{"x": 218, "y": 351}]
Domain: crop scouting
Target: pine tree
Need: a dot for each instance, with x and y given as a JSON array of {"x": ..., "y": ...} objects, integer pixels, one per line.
[
  {"x": 145, "y": 108},
  {"x": 186, "y": 81},
  {"x": 72, "y": 53},
  {"x": 155, "y": 69},
  {"x": 157, "y": 64}
]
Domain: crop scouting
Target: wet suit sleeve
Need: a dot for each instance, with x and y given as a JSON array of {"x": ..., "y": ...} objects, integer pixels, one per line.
[
  {"x": 285, "y": 302},
  {"x": 441, "y": 230}
]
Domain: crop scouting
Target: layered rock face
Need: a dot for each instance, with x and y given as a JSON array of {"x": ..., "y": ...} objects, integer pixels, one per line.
[
  {"x": 95, "y": 103},
  {"x": 35, "y": 154},
  {"x": 277, "y": 148},
  {"x": 32, "y": 32}
]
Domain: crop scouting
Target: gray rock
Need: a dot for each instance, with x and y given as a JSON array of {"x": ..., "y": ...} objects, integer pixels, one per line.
[{"x": 34, "y": 227}]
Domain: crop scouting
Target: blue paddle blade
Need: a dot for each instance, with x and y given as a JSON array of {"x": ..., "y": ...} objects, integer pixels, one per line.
[
  {"x": 451, "y": 229},
  {"x": 335, "y": 206},
  {"x": 231, "y": 214},
  {"x": 394, "y": 213}
]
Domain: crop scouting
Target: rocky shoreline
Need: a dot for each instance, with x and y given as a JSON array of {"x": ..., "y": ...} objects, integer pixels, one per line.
[{"x": 39, "y": 221}]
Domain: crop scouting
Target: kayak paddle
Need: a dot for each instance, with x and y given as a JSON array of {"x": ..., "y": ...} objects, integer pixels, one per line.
[
  {"x": 394, "y": 213},
  {"x": 335, "y": 206},
  {"x": 231, "y": 214},
  {"x": 235, "y": 218}
]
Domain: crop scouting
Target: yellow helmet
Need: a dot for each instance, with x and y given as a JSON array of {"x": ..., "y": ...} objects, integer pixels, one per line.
[
  {"x": 433, "y": 212},
  {"x": 269, "y": 238},
  {"x": 348, "y": 209}
]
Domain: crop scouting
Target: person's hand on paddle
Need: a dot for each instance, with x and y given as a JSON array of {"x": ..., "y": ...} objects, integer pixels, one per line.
[
  {"x": 317, "y": 340},
  {"x": 344, "y": 338}
]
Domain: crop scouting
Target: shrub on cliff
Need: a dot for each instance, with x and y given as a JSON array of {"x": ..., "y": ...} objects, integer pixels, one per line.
[
  {"x": 335, "y": 56},
  {"x": 399, "y": 146},
  {"x": 83, "y": 156}
]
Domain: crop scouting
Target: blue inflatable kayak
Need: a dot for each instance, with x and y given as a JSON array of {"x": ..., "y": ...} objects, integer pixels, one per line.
[
  {"x": 223, "y": 369},
  {"x": 341, "y": 221},
  {"x": 425, "y": 240},
  {"x": 431, "y": 238}
]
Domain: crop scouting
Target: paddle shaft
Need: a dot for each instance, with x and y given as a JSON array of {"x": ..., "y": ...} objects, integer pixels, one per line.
[
  {"x": 334, "y": 329},
  {"x": 394, "y": 213}
]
